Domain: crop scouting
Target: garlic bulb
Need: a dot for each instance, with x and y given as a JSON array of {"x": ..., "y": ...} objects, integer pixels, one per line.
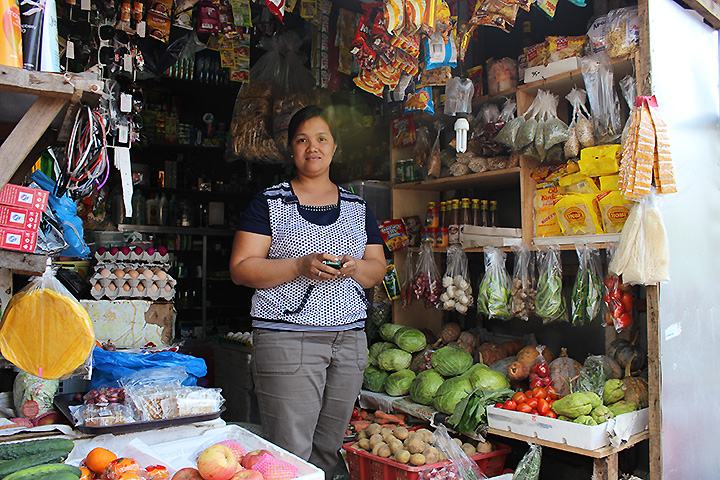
[{"x": 447, "y": 281}]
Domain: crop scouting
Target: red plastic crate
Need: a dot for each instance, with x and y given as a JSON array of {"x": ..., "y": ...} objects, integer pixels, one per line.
[{"x": 366, "y": 466}]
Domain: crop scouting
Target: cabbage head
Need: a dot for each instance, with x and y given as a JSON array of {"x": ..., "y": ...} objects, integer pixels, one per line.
[
  {"x": 394, "y": 359},
  {"x": 374, "y": 378},
  {"x": 423, "y": 388},
  {"x": 410, "y": 339},
  {"x": 375, "y": 350},
  {"x": 387, "y": 331},
  {"x": 483, "y": 377},
  {"x": 398, "y": 383},
  {"x": 451, "y": 392},
  {"x": 451, "y": 360}
]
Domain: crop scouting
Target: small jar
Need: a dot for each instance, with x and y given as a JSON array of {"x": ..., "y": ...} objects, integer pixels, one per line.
[
  {"x": 441, "y": 237},
  {"x": 433, "y": 216},
  {"x": 432, "y": 236},
  {"x": 425, "y": 236}
]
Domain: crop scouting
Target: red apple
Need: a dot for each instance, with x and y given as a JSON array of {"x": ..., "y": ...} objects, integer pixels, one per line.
[
  {"x": 187, "y": 474},
  {"x": 236, "y": 448},
  {"x": 248, "y": 475},
  {"x": 138, "y": 250},
  {"x": 253, "y": 457},
  {"x": 217, "y": 462}
]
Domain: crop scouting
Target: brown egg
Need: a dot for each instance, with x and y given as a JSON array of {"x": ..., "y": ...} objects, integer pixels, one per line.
[
  {"x": 112, "y": 287},
  {"x": 97, "y": 287},
  {"x": 140, "y": 287},
  {"x": 126, "y": 287},
  {"x": 161, "y": 275},
  {"x": 119, "y": 273},
  {"x": 105, "y": 272},
  {"x": 133, "y": 273},
  {"x": 147, "y": 273},
  {"x": 168, "y": 288},
  {"x": 154, "y": 288}
]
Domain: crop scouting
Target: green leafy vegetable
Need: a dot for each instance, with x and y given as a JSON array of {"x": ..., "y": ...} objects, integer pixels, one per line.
[
  {"x": 494, "y": 294},
  {"x": 587, "y": 290},
  {"x": 550, "y": 302},
  {"x": 470, "y": 412}
]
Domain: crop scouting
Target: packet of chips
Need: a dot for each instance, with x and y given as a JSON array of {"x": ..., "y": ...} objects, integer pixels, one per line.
[
  {"x": 369, "y": 82},
  {"x": 391, "y": 282},
  {"x": 579, "y": 214},
  {"x": 614, "y": 209},
  {"x": 394, "y": 11},
  {"x": 546, "y": 222},
  {"x": 394, "y": 234},
  {"x": 420, "y": 101},
  {"x": 562, "y": 47}
]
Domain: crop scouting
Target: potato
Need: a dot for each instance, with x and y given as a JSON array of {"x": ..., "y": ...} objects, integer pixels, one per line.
[
  {"x": 375, "y": 439},
  {"x": 361, "y": 434},
  {"x": 372, "y": 429},
  {"x": 441, "y": 456},
  {"x": 377, "y": 447},
  {"x": 417, "y": 459},
  {"x": 469, "y": 449},
  {"x": 484, "y": 447},
  {"x": 427, "y": 434},
  {"x": 384, "y": 451},
  {"x": 412, "y": 436},
  {"x": 401, "y": 433},
  {"x": 431, "y": 455},
  {"x": 402, "y": 456},
  {"x": 458, "y": 441},
  {"x": 364, "y": 443},
  {"x": 416, "y": 445},
  {"x": 395, "y": 444}
]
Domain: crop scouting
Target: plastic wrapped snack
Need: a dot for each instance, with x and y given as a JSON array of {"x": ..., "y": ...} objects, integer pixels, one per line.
[
  {"x": 103, "y": 415},
  {"x": 622, "y": 32},
  {"x": 33, "y": 396}
]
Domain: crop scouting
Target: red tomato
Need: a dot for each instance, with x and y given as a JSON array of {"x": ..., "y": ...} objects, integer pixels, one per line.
[
  {"x": 510, "y": 405},
  {"x": 551, "y": 392},
  {"x": 616, "y": 294},
  {"x": 617, "y": 310},
  {"x": 528, "y": 393},
  {"x": 551, "y": 414},
  {"x": 499, "y": 405},
  {"x": 543, "y": 406},
  {"x": 607, "y": 299},
  {"x": 539, "y": 392},
  {"x": 518, "y": 397},
  {"x": 524, "y": 408},
  {"x": 627, "y": 301},
  {"x": 610, "y": 281},
  {"x": 624, "y": 321},
  {"x": 532, "y": 402}
]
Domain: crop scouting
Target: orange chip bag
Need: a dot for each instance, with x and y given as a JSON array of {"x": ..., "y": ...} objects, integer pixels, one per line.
[
  {"x": 406, "y": 62},
  {"x": 536, "y": 55},
  {"x": 394, "y": 234},
  {"x": 387, "y": 73},
  {"x": 369, "y": 82}
]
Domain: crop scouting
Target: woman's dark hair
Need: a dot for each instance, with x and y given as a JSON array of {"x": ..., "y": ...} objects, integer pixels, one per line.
[{"x": 306, "y": 113}]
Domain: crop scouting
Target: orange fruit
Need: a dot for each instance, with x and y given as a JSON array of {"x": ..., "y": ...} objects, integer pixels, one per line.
[
  {"x": 129, "y": 476},
  {"x": 86, "y": 474},
  {"x": 98, "y": 459},
  {"x": 120, "y": 466},
  {"x": 157, "y": 472}
]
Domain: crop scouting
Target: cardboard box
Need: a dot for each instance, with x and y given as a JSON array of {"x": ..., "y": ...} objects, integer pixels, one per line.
[
  {"x": 533, "y": 74},
  {"x": 132, "y": 323},
  {"x": 586, "y": 437},
  {"x": 30, "y": 198},
  {"x": 473, "y": 237},
  {"x": 18, "y": 239},
  {"x": 18, "y": 217}
]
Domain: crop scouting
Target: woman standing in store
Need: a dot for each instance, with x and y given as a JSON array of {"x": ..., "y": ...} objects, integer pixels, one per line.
[{"x": 309, "y": 345}]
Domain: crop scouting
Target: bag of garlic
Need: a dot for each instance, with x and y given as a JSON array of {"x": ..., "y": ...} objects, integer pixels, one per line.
[
  {"x": 494, "y": 297},
  {"x": 523, "y": 282},
  {"x": 456, "y": 282}
]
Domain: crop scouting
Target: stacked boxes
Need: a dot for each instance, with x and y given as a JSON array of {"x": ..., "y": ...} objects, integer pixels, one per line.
[{"x": 20, "y": 213}]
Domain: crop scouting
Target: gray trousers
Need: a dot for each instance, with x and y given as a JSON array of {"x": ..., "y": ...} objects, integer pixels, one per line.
[{"x": 306, "y": 384}]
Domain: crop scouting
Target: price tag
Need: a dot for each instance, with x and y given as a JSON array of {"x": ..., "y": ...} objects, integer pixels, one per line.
[
  {"x": 125, "y": 102},
  {"x": 127, "y": 63},
  {"x": 140, "y": 29},
  {"x": 70, "y": 50},
  {"x": 123, "y": 133},
  {"x": 85, "y": 5}
]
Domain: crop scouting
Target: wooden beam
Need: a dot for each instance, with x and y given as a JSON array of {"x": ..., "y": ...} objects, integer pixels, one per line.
[
  {"x": 45, "y": 141},
  {"x": 654, "y": 381},
  {"x": 27, "y": 263},
  {"x": 708, "y": 9},
  {"x": 606, "y": 468},
  {"x": 26, "y": 134},
  {"x": 19, "y": 80}
]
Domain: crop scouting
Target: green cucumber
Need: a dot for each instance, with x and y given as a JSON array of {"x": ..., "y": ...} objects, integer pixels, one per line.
[
  {"x": 13, "y": 450},
  {"x": 9, "y": 467},
  {"x": 56, "y": 471}
]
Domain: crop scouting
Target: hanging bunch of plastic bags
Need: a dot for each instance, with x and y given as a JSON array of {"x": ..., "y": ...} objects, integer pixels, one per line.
[
  {"x": 549, "y": 301},
  {"x": 604, "y": 102},
  {"x": 586, "y": 298},
  {"x": 406, "y": 280},
  {"x": 426, "y": 282},
  {"x": 508, "y": 134},
  {"x": 494, "y": 291},
  {"x": 456, "y": 281},
  {"x": 523, "y": 290},
  {"x": 580, "y": 131}
]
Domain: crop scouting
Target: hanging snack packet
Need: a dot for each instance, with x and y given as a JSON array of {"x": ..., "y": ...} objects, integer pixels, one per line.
[
  {"x": 579, "y": 214},
  {"x": 391, "y": 282},
  {"x": 394, "y": 235},
  {"x": 414, "y": 11},
  {"x": 426, "y": 282},
  {"x": 406, "y": 62},
  {"x": 456, "y": 282},
  {"x": 387, "y": 73},
  {"x": 440, "y": 52},
  {"x": 587, "y": 293},
  {"x": 420, "y": 101},
  {"x": 494, "y": 298},
  {"x": 394, "y": 12},
  {"x": 614, "y": 209},
  {"x": 523, "y": 290},
  {"x": 406, "y": 279},
  {"x": 369, "y": 82},
  {"x": 550, "y": 302}
]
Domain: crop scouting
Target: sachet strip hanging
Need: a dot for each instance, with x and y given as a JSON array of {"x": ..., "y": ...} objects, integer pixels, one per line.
[{"x": 646, "y": 153}]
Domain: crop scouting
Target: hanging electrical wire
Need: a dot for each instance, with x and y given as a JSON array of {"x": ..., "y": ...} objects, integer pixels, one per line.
[{"x": 86, "y": 163}]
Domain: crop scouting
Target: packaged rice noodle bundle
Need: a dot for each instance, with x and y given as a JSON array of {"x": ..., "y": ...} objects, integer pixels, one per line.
[
  {"x": 622, "y": 32},
  {"x": 546, "y": 221},
  {"x": 579, "y": 214},
  {"x": 580, "y": 131},
  {"x": 614, "y": 210},
  {"x": 562, "y": 47}
]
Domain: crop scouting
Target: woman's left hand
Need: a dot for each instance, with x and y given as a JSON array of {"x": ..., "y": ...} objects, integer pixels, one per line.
[{"x": 348, "y": 265}]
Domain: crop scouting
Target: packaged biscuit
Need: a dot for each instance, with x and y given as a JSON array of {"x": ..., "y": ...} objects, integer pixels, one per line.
[
  {"x": 562, "y": 47},
  {"x": 546, "y": 223},
  {"x": 614, "y": 209},
  {"x": 394, "y": 234},
  {"x": 578, "y": 214},
  {"x": 578, "y": 183}
]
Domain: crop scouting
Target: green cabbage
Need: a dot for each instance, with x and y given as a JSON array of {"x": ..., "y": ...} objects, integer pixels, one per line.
[
  {"x": 483, "y": 377},
  {"x": 410, "y": 339},
  {"x": 374, "y": 378},
  {"x": 394, "y": 359},
  {"x": 387, "y": 331},
  {"x": 375, "y": 350},
  {"x": 451, "y": 360},
  {"x": 398, "y": 383},
  {"x": 423, "y": 388},
  {"x": 451, "y": 392}
]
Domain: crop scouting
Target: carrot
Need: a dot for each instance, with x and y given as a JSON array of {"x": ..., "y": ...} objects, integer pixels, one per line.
[
  {"x": 384, "y": 418},
  {"x": 359, "y": 425}
]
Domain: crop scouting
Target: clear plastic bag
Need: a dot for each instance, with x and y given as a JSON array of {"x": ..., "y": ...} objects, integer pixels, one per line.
[
  {"x": 33, "y": 396},
  {"x": 586, "y": 298},
  {"x": 529, "y": 466},
  {"x": 580, "y": 124},
  {"x": 422, "y": 147},
  {"x": 592, "y": 376},
  {"x": 604, "y": 102},
  {"x": 434, "y": 161},
  {"x": 35, "y": 320},
  {"x": 426, "y": 282},
  {"x": 508, "y": 134},
  {"x": 628, "y": 87},
  {"x": 494, "y": 298},
  {"x": 466, "y": 468},
  {"x": 408, "y": 273},
  {"x": 617, "y": 303},
  {"x": 622, "y": 32},
  {"x": 523, "y": 283},
  {"x": 554, "y": 130},
  {"x": 550, "y": 302},
  {"x": 456, "y": 282}
]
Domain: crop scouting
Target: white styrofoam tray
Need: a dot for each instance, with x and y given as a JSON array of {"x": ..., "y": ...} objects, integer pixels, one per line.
[
  {"x": 587, "y": 437},
  {"x": 178, "y": 447}
]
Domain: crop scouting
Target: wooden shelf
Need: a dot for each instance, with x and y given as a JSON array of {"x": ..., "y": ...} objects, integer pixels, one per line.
[
  {"x": 495, "y": 178},
  {"x": 217, "y": 232}
]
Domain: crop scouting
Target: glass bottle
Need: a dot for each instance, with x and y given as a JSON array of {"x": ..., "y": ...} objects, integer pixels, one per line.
[
  {"x": 454, "y": 228},
  {"x": 433, "y": 216},
  {"x": 493, "y": 213},
  {"x": 475, "y": 208},
  {"x": 443, "y": 216},
  {"x": 484, "y": 213},
  {"x": 465, "y": 215}
]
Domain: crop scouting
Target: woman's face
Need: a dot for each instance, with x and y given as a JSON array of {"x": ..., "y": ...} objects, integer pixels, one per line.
[{"x": 313, "y": 147}]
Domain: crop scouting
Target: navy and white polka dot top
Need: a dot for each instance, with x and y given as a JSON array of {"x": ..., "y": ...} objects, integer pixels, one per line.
[{"x": 307, "y": 303}]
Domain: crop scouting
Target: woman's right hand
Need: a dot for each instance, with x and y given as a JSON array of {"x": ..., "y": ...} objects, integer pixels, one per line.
[{"x": 312, "y": 267}]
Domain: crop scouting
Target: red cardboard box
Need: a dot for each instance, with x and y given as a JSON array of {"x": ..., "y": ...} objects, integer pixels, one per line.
[
  {"x": 30, "y": 198},
  {"x": 17, "y": 239},
  {"x": 17, "y": 217}
]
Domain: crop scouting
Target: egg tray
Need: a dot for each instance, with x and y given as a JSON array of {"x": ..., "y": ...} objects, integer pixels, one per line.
[
  {"x": 155, "y": 269},
  {"x": 99, "y": 291},
  {"x": 132, "y": 257}
]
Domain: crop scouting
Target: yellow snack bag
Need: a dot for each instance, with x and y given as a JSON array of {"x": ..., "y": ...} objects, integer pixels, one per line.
[
  {"x": 614, "y": 210},
  {"x": 609, "y": 182},
  {"x": 600, "y": 160},
  {"x": 546, "y": 222},
  {"x": 568, "y": 169},
  {"x": 578, "y": 214},
  {"x": 578, "y": 183}
]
